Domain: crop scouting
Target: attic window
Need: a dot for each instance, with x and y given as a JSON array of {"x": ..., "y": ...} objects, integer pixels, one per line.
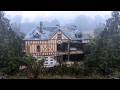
[
  {"x": 38, "y": 48},
  {"x": 59, "y": 36}
]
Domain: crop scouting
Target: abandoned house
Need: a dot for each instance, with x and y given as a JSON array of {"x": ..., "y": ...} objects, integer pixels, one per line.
[{"x": 62, "y": 43}]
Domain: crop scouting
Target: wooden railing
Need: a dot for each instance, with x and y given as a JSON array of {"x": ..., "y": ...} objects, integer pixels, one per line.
[{"x": 71, "y": 52}]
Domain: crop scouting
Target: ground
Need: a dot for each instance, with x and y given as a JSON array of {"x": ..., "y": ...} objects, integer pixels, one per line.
[{"x": 59, "y": 77}]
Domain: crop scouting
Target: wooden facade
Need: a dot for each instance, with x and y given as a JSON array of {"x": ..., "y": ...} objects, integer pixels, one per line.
[
  {"x": 45, "y": 47},
  {"x": 56, "y": 44}
]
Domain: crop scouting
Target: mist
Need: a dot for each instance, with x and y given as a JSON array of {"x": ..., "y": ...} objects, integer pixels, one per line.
[{"x": 85, "y": 23}]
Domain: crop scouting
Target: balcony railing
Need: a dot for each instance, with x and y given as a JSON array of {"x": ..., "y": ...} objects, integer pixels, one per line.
[{"x": 71, "y": 52}]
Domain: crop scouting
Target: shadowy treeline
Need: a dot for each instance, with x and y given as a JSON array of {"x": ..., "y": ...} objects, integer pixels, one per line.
[{"x": 102, "y": 53}]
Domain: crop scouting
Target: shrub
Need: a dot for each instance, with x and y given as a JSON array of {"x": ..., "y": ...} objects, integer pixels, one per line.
[
  {"x": 74, "y": 70},
  {"x": 12, "y": 66}
]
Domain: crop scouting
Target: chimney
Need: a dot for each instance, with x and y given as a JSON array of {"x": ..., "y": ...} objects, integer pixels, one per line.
[{"x": 41, "y": 27}]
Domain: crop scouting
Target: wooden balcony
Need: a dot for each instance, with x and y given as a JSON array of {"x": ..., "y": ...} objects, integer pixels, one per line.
[{"x": 71, "y": 52}]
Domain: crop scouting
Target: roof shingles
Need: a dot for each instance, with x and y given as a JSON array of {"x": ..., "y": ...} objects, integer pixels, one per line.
[{"x": 49, "y": 31}]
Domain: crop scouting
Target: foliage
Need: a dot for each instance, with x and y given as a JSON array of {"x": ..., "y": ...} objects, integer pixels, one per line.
[
  {"x": 12, "y": 66},
  {"x": 34, "y": 67},
  {"x": 10, "y": 46},
  {"x": 74, "y": 70},
  {"x": 103, "y": 51}
]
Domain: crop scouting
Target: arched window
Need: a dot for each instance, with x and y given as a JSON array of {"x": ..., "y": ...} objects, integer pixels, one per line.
[{"x": 38, "y": 48}]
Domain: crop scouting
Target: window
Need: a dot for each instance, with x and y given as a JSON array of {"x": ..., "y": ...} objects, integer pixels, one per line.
[
  {"x": 51, "y": 62},
  {"x": 59, "y": 36},
  {"x": 38, "y": 48},
  {"x": 36, "y": 35},
  {"x": 59, "y": 47}
]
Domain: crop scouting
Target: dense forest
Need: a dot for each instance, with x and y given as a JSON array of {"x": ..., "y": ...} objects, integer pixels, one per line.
[{"x": 102, "y": 53}]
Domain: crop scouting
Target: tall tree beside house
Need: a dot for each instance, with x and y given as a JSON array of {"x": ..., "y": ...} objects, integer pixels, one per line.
[
  {"x": 10, "y": 46},
  {"x": 103, "y": 56}
]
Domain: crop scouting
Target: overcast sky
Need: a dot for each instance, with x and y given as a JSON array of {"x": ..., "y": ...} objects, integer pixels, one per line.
[{"x": 31, "y": 15}]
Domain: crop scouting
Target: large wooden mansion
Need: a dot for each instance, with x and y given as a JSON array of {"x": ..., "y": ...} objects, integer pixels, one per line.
[{"x": 55, "y": 41}]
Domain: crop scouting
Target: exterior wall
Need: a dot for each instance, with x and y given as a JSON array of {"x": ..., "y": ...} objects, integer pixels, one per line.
[{"x": 47, "y": 47}]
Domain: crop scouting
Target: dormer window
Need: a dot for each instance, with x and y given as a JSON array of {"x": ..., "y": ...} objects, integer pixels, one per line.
[{"x": 36, "y": 35}]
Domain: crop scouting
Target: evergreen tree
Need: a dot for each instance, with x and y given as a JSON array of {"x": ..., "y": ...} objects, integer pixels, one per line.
[
  {"x": 10, "y": 46},
  {"x": 104, "y": 51}
]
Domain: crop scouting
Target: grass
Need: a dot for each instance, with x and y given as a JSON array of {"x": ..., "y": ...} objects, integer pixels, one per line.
[
  {"x": 59, "y": 77},
  {"x": 17, "y": 77}
]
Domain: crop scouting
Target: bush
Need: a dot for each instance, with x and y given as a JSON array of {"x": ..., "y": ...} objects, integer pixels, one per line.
[
  {"x": 34, "y": 67},
  {"x": 103, "y": 52},
  {"x": 74, "y": 70},
  {"x": 12, "y": 66}
]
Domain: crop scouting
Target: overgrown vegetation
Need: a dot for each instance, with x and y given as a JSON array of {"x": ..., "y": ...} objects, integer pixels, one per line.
[
  {"x": 10, "y": 47},
  {"x": 102, "y": 54}
]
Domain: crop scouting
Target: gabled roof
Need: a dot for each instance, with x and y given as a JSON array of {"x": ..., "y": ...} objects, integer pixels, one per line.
[
  {"x": 49, "y": 31},
  {"x": 70, "y": 33}
]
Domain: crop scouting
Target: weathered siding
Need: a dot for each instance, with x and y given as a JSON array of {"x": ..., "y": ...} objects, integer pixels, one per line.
[{"x": 47, "y": 47}]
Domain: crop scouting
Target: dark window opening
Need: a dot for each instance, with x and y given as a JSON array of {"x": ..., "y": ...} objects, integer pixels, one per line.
[
  {"x": 64, "y": 46},
  {"x": 51, "y": 62},
  {"x": 38, "y": 48},
  {"x": 59, "y": 48},
  {"x": 36, "y": 35}
]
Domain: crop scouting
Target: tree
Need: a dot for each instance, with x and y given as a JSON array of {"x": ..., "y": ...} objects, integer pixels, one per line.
[
  {"x": 103, "y": 56},
  {"x": 34, "y": 67},
  {"x": 10, "y": 46}
]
